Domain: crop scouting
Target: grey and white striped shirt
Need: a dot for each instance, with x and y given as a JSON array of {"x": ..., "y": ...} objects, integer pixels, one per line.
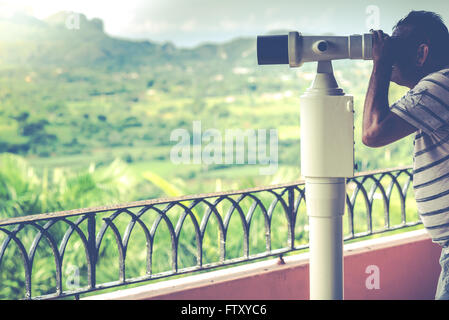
[{"x": 426, "y": 107}]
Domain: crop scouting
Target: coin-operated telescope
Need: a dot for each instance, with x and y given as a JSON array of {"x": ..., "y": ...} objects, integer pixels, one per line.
[
  {"x": 295, "y": 49},
  {"x": 327, "y": 145}
]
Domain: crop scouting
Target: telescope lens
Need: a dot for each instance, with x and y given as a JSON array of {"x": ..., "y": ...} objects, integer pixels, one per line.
[
  {"x": 272, "y": 49},
  {"x": 322, "y": 46}
]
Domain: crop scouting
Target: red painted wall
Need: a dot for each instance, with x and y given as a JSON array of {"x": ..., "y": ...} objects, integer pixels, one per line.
[{"x": 406, "y": 271}]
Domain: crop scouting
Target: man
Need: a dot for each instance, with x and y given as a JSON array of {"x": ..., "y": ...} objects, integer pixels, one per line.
[{"x": 416, "y": 56}]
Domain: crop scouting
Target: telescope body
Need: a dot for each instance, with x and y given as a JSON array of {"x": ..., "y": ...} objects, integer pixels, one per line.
[
  {"x": 295, "y": 49},
  {"x": 327, "y": 127}
]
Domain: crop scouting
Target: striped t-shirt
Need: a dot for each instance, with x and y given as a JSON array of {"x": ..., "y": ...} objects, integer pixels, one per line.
[{"x": 426, "y": 107}]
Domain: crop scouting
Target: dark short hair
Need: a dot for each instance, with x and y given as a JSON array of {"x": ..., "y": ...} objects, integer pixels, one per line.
[{"x": 428, "y": 27}]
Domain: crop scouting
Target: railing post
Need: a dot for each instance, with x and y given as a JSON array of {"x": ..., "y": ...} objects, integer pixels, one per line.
[
  {"x": 292, "y": 217},
  {"x": 91, "y": 230}
]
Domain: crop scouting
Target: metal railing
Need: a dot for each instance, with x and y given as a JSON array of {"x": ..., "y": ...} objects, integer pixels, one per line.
[{"x": 185, "y": 234}]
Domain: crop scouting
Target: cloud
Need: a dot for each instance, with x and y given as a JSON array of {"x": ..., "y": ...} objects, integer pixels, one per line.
[
  {"x": 189, "y": 25},
  {"x": 154, "y": 27},
  {"x": 194, "y": 21}
]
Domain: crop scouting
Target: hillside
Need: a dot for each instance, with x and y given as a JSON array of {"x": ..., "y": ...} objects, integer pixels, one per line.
[
  {"x": 71, "y": 96},
  {"x": 60, "y": 41},
  {"x": 51, "y": 74}
]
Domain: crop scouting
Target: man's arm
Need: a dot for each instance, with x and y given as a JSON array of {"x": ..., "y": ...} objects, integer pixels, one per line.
[{"x": 380, "y": 125}]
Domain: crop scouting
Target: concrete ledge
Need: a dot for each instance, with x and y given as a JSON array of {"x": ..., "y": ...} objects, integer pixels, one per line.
[{"x": 407, "y": 264}]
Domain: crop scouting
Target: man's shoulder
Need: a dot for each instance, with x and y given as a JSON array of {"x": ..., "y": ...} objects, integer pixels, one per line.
[
  {"x": 434, "y": 82},
  {"x": 441, "y": 75}
]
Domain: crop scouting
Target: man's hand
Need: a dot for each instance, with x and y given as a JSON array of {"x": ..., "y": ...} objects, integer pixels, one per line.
[
  {"x": 380, "y": 125},
  {"x": 382, "y": 49}
]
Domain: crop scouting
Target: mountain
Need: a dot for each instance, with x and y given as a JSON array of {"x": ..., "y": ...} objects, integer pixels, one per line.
[
  {"x": 72, "y": 40},
  {"x": 69, "y": 88}
]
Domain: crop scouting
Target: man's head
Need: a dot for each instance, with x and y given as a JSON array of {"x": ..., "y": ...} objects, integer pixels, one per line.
[{"x": 421, "y": 42}]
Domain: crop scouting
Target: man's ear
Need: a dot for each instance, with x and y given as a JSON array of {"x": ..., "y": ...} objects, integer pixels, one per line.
[{"x": 422, "y": 54}]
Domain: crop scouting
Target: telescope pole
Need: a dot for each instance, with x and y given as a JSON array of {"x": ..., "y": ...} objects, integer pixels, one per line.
[
  {"x": 324, "y": 208},
  {"x": 327, "y": 158}
]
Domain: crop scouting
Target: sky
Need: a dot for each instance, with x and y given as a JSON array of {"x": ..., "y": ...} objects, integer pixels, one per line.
[{"x": 188, "y": 23}]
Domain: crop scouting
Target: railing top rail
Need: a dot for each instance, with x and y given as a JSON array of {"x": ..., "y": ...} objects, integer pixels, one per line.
[
  {"x": 142, "y": 203},
  {"x": 75, "y": 212},
  {"x": 378, "y": 171}
]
